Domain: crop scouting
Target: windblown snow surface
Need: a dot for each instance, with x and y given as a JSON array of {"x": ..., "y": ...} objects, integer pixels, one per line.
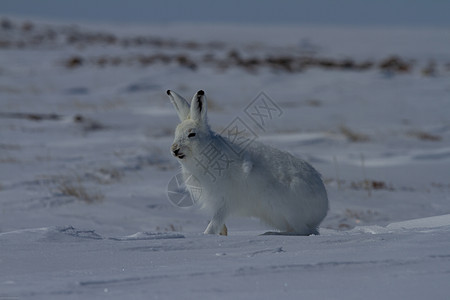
[{"x": 85, "y": 132}]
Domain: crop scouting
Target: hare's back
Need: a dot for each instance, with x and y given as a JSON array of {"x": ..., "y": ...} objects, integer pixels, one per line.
[{"x": 286, "y": 170}]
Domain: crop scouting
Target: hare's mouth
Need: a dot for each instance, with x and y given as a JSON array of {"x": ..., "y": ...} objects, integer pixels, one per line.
[{"x": 177, "y": 153}]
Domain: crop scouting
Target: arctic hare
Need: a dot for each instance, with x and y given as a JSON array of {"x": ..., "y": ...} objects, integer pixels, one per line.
[{"x": 283, "y": 191}]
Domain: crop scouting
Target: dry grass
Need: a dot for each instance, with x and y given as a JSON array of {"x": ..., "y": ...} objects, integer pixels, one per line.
[
  {"x": 425, "y": 136},
  {"x": 75, "y": 188},
  {"x": 352, "y": 135},
  {"x": 365, "y": 184},
  {"x": 8, "y": 160},
  {"x": 170, "y": 228},
  {"x": 107, "y": 175},
  {"x": 87, "y": 124},
  {"x": 314, "y": 103},
  {"x": 371, "y": 185},
  {"x": 10, "y": 147}
]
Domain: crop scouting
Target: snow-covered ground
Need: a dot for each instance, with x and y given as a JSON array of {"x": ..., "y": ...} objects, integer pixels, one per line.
[{"x": 85, "y": 132}]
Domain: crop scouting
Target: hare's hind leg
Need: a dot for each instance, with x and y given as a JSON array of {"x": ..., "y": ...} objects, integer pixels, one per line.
[
  {"x": 217, "y": 224},
  {"x": 211, "y": 230},
  {"x": 214, "y": 228},
  {"x": 224, "y": 230}
]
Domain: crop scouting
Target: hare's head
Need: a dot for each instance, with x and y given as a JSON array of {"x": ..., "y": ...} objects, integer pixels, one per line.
[{"x": 193, "y": 131}]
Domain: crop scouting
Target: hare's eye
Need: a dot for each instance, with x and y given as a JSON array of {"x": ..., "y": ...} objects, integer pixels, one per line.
[{"x": 192, "y": 134}]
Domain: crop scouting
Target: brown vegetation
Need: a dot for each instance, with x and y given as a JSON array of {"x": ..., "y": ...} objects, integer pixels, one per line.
[
  {"x": 74, "y": 187},
  {"x": 28, "y": 35},
  {"x": 425, "y": 136},
  {"x": 352, "y": 135}
]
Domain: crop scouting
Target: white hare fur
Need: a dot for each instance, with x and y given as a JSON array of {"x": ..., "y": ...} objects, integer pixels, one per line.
[{"x": 283, "y": 191}]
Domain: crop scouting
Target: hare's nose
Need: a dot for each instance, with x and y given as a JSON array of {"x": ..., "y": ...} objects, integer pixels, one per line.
[{"x": 175, "y": 149}]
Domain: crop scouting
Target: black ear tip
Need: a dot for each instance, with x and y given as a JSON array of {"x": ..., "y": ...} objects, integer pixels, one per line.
[
  {"x": 168, "y": 92},
  {"x": 200, "y": 93}
]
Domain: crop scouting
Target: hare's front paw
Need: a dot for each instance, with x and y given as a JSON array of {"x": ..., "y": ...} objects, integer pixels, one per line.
[{"x": 214, "y": 228}]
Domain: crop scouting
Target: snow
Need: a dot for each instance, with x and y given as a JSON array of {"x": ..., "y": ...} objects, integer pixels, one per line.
[
  {"x": 84, "y": 211},
  {"x": 67, "y": 263}
]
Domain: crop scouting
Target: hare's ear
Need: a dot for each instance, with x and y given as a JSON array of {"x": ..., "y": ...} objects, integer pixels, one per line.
[
  {"x": 180, "y": 104},
  {"x": 198, "y": 107}
]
